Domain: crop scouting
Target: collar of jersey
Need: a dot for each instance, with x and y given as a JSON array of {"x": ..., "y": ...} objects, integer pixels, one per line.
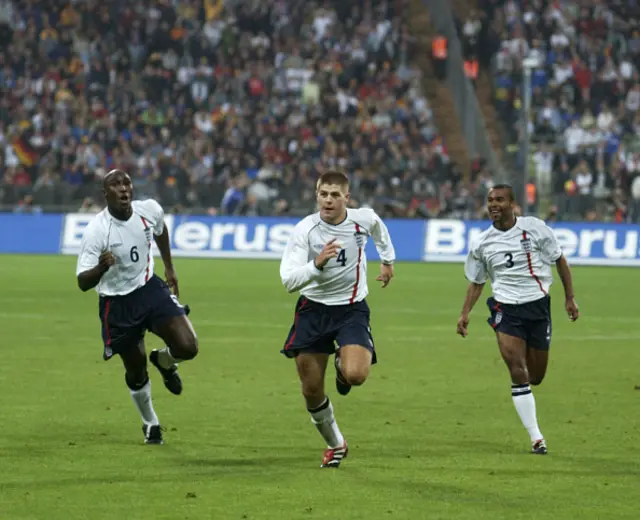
[
  {"x": 346, "y": 217},
  {"x": 117, "y": 220},
  {"x": 515, "y": 225}
]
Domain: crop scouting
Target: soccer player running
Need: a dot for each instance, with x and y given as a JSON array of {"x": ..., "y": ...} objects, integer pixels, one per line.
[
  {"x": 325, "y": 261},
  {"x": 116, "y": 259},
  {"x": 516, "y": 255}
]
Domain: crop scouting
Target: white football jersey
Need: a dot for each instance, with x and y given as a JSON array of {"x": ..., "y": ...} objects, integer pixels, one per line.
[
  {"x": 517, "y": 261},
  {"x": 344, "y": 279},
  {"x": 130, "y": 243}
]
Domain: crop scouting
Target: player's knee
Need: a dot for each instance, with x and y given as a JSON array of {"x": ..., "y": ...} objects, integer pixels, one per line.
[
  {"x": 136, "y": 379},
  {"x": 355, "y": 375},
  {"x": 191, "y": 346},
  {"x": 187, "y": 347}
]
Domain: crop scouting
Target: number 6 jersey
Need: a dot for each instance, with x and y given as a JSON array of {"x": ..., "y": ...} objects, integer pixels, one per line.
[
  {"x": 343, "y": 280},
  {"x": 129, "y": 241},
  {"x": 517, "y": 261}
]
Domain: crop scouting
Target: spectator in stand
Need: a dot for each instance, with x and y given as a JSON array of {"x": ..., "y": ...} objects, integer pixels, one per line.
[
  {"x": 439, "y": 54},
  {"x": 215, "y": 106},
  {"x": 585, "y": 99}
]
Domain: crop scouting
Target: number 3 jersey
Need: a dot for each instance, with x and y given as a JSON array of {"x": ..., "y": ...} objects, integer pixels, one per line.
[
  {"x": 517, "y": 261},
  {"x": 343, "y": 280},
  {"x": 129, "y": 241}
]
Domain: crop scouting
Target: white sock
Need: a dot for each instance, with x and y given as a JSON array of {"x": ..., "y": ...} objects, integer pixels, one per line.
[
  {"x": 142, "y": 400},
  {"x": 325, "y": 422},
  {"x": 165, "y": 359},
  {"x": 525, "y": 405}
]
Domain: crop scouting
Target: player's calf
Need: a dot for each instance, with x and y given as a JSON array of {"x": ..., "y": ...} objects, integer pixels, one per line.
[
  {"x": 537, "y": 362},
  {"x": 313, "y": 392}
]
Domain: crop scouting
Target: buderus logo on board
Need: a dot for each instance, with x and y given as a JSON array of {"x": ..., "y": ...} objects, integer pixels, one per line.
[{"x": 582, "y": 243}]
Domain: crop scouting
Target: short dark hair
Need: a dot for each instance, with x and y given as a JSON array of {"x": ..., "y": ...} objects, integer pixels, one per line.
[
  {"x": 504, "y": 186},
  {"x": 333, "y": 177}
]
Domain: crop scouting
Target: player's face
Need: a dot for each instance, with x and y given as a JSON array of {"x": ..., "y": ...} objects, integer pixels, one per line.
[
  {"x": 332, "y": 201},
  {"x": 500, "y": 205},
  {"x": 118, "y": 191}
]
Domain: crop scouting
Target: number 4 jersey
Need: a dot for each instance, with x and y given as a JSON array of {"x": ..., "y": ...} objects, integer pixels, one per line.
[
  {"x": 517, "y": 261},
  {"x": 129, "y": 241},
  {"x": 343, "y": 280}
]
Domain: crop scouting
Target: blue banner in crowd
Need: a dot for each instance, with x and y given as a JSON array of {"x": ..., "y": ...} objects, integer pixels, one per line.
[
  {"x": 30, "y": 234},
  {"x": 237, "y": 237}
]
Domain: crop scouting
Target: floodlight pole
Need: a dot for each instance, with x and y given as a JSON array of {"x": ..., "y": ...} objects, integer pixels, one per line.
[{"x": 527, "y": 65}]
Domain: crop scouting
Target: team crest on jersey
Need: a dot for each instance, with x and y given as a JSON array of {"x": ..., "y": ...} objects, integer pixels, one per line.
[
  {"x": 147, "y": 234},
  {"x": 526, "y": 245},
  {"x": 361, "y": 238}
]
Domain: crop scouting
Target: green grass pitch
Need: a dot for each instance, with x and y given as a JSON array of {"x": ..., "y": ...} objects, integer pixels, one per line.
[{"x": 433, "y": 433}]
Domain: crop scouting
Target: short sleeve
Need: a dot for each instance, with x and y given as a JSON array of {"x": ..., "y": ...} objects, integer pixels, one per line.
[
  {"x": 155, "y": 213},
  {"x": 90, "y": 250},
  {"x": 550, "y": 249},
  {"x": 475, "y": 269}
]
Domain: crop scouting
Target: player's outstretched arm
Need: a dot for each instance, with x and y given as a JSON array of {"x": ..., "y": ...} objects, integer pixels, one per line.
[
  {"x": 474, "y": 290},
  {"x": 91, "y": 277},
  {"x": 570, "y": 305},
  {"x": 384, "y": 246},
  {"x": 162, "y": 241}
]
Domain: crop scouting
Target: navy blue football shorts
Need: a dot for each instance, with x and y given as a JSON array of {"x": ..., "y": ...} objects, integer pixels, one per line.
[
  {"x": 125, "y": 319},
  {"x": 530, "y": 321},
  {"x": 317, "y": 328}
]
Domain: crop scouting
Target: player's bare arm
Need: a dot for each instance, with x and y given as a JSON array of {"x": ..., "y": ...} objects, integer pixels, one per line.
[
  {"x": 162, "y": 241},
  {"x": 474, "y": 290},
  {"x": 564, "y": 272},
  {"x": 89, "y": 279},
  {"x": 386, "y": 273}
]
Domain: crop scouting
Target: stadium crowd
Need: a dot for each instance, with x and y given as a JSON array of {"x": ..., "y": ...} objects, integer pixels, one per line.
[
  {"x": 585, "y": 96},
  {"x": 225, "y": 107}
]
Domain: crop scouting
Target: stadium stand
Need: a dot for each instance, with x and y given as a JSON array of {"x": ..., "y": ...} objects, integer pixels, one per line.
[
  {"x": 585, "y": 97},
  {"x": 226, "y": 108}
]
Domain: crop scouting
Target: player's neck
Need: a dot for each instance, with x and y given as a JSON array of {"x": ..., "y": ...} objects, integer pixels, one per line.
[
  {"x": 505, "y": 226},
  {"x": 337, "y": 221},
  {"x": 123, "y": 215}
]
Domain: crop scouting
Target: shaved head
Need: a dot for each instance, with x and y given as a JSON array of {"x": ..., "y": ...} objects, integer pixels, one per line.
[{"x": 110, "y": 175}]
